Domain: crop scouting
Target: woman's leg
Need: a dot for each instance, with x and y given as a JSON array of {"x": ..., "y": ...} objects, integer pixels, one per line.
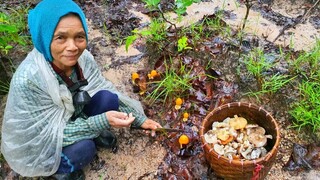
[
  {"x": 101, "y": 102},
  {"x": 77, "y": 156}
]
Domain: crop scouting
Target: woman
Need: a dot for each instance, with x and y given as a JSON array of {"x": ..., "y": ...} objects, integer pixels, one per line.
[{"x": 59, "y": 105}]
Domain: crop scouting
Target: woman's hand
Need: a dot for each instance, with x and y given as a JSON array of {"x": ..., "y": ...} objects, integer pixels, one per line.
[
  {"x": 119, "y": 119},
  {"x": 150, "y": 124}
]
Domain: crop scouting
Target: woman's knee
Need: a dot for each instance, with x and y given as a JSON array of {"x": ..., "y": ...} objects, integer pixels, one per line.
[
  {"x": 77, "y": 156},
  {"x": 101, "y": 102},
  {"x": 108, "y": 97}
]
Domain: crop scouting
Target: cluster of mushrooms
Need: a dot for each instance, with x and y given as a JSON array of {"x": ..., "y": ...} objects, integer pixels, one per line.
[{"x": 234, "y": 138}]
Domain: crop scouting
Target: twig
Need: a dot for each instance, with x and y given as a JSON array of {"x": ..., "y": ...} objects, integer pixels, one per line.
[
  {"x": 315, "y": 4},
  {"x": 165, "y": 19},
  {"x": 296, "y": 21}
]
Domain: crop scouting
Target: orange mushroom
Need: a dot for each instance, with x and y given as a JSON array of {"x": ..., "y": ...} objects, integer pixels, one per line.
[
  {"x": 178, "y": 103},
  {"x": 183, "y": 140},
  {"x": 185, "y": 117},
  {"x": 153, "y": 74},
  {"x": 134, "y": 76}
]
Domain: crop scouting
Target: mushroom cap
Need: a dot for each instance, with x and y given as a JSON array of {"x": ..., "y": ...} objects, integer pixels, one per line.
[
  {"x": 224, "y": 142},
  {"x": 219, "y": 125},
  {"x": 256, "y": 153},
  {"x": 177, "y": 107},
  {"x": 134, "y": 76},
  {"x": 184, "y": 139},
  {"x": 153, "y": 73},
  {"x": 210, "y": 137},
  {"x": 258, "y": 140},
  {"x": 179, "y": 101},
  {"x": 219, "y": 149},
  {"x": 223, "y": 134},
  {"x": 238, "y": 122},
  {"x": 256, "y": 130},
  {"x": 185, "y": 115}
]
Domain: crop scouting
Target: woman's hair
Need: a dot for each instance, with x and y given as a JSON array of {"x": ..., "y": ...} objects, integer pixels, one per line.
[{"x": 44, "y": 18}]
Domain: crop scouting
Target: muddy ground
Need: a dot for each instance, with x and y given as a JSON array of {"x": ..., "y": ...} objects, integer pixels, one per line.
[{"x": 140, "y": 156}]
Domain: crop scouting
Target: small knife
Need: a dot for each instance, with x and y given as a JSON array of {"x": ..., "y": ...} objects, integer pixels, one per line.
[{"x": 161, "y": 129}]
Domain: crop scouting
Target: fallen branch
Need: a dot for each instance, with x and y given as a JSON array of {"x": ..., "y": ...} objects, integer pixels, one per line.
[{"x": 296, "y": 21}]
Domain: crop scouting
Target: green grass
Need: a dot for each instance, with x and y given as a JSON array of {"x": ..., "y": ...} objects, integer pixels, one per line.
[
  {"x": 4, "y": 86},
  {"x": 271, "y": 85},
  {"x": 173, "y": 84},
  {"x": 306, "y": 112},
  {"x": 155, "y": 34},
  {"x": 256, "y": 63},
  {"x": 308, "y": 63}
]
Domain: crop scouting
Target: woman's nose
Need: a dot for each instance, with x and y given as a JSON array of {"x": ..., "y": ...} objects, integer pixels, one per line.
[{"x": 71, "y": 45}]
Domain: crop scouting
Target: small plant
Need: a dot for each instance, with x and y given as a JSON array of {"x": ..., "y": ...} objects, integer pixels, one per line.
[
  {"x": 173, "y": 84},
  {"x": 256, "y": 63},
  {"x": 181, "y": 5},
  {"x": 11, "y": 28},
  {"x": 155, "y": 34},
  {"x": 151, "y": 4},
  {"x": 214, "y": 25},
  {"x": 308, "y": 63},
  {"x": 272, "y": 85},
  {"x": 276, "y": 82},
  {"x": 183, "y": 44},
  {"x": 306, "y": 112}
]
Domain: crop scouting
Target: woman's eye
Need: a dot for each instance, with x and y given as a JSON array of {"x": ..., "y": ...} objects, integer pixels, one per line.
[
  {"x": 80, "y": 37},
  {"x": 59, "y": 37}
]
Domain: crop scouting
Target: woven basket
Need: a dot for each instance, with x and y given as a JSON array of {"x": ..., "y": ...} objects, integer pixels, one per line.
[{"x": 242, "y": 169}]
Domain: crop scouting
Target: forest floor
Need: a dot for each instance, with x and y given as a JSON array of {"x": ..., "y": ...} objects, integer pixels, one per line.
[{"x": 140, "y": 156}]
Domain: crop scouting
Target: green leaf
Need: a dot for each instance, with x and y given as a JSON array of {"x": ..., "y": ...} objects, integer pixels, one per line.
[
  {"x": 130, "y": 40},
  {"x": 8, "y": 28}
]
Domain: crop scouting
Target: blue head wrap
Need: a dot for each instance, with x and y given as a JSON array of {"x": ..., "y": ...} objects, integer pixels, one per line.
[{"x": 44, "y": 18}]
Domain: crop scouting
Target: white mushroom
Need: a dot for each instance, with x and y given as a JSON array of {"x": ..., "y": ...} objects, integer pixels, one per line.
[
  {"x": 240, "y": 138},
  {"x": 235, "y": 145},
  {"x": 269, "y": 136},
  {"x": 246, "y": 143},
  {"x": 256, "y": 130},
  {"x": 258, "y": 140},
  {"x": 234, "y": 138},
  {"x": 233, "y": 132},
  {"x": 251, "y": 126},
  {"x": 229, "y": 151},
  {"x": 219, "y": 125},
  {"x": 263, "y": 151},
  {"x": 256, "y": 153},
  {"x": 219, "y": 149},
  {"x": 226, "y": 120},
  {"x": 247, "y": 153},
  {"x": 210, "y": 137}
]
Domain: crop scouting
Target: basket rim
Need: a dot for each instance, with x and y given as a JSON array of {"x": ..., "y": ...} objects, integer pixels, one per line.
[{"x": 241, "y": 162}]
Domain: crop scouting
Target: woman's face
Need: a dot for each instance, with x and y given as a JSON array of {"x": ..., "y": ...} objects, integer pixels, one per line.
[{"x": 68, "y": 43}]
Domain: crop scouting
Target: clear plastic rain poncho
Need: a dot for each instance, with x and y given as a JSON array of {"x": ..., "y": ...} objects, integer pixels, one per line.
[{"x": 32, "y": 141}]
